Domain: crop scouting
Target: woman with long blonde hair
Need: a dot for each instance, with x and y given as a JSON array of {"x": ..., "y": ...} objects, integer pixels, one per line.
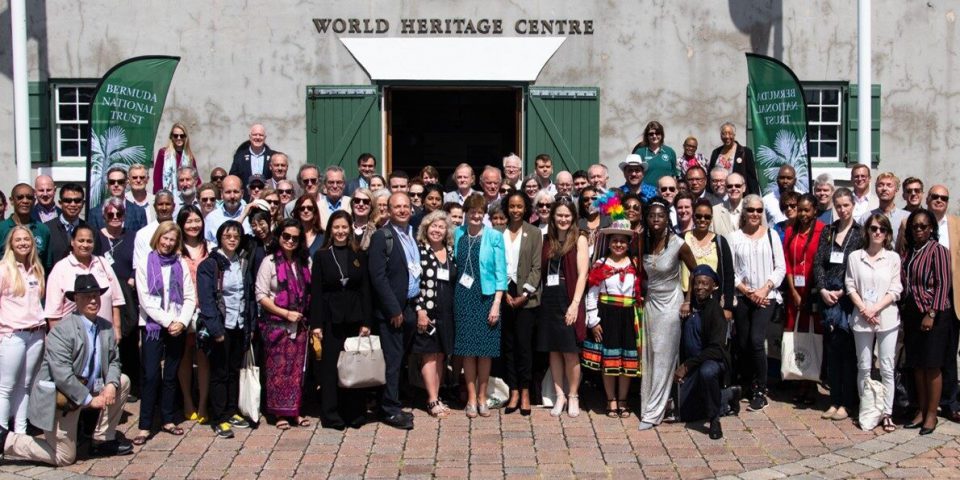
[
  {"x": 22, "y": 325},
  {"x": 176, "y": 154}
]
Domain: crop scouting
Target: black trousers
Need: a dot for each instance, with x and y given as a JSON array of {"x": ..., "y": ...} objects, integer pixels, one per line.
[
  {"x": 157, "y": 385},
  {"x": 338, "y": 405},
  {"x": 842, "y": 368},
  {"x": 751, "y": 322},
  {"x": 394, "y": 342},
  {"x": 516, "y": 346},
  {"x": 948, "y": 398},
  {"x": 700, "y": 395},
  {"x": 226, "y": 359},
  {"x": 130, "y": 360}
]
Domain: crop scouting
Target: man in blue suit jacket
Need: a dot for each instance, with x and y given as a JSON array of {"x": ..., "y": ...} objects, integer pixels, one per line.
[{"x": 395, "y": 281}]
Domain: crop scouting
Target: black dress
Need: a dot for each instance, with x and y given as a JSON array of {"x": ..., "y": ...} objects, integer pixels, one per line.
[
  {"x": 436, "y": 297},
  {"x": 553, "y": 333}
]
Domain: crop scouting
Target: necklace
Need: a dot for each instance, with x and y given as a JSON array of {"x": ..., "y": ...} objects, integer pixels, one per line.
[{"x": 343, "y": 279}]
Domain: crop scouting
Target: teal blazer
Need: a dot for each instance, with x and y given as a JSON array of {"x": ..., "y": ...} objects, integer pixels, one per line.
[{"x": 493, "y": 259}]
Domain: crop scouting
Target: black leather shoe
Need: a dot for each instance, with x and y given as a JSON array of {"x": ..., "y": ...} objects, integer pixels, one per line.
[
  {"x": 358, "y": 422},
  {"x": 736, "y": 393},
  {"x": 399, "y": 421},
  {"x": 525, "y": 412},
  {"x": 716, "y": 432},
  {"x": 111, "y": 449},
  {"x": 928, "y": 431}
]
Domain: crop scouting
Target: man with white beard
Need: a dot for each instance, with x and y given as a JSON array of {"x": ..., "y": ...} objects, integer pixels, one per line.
[{"x": 186, "y": 189}]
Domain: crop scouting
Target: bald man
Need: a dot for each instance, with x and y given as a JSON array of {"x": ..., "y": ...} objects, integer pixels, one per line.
[
  {"x": 786, "y": 182},
  {"x": 252, "y": 157},
  {"x": 230, "y": 209},
  {"x": 46, "y": 208},
  {"x": 565, "y": 184}
]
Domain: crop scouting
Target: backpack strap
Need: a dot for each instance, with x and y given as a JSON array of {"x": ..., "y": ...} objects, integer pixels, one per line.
[{"x": 388, "y": 236}]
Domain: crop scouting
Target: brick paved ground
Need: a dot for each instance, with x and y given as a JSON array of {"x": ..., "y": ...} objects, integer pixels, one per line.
[{"x": 779, "y": 442}]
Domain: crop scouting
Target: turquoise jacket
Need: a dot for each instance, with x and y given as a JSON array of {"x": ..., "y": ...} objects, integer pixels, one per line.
[{"x": 493, "y": 259}]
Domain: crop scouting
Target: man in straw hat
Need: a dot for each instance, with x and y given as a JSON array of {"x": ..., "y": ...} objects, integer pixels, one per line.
[{"x": 81, "y": 366}]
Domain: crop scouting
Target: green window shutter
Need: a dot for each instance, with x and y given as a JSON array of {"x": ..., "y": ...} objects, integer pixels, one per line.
[
  {"x": 39, "y": 105},
  {"x": 853, "y": 124},
  {"x": 342, "y": 123},
  {"x": 563, "y": 122}
]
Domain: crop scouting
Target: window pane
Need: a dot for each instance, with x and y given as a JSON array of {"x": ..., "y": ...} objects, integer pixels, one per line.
[
  {"x": 828, "y": 149},
  {"x": 71, "y": 132},
  {"x": 85, "y": 94},
  {"x": 811, "y": 96},
  {"x": 831, "y": 114},
  {"x": 68, "y": 112},
  {"x": 831, "y": 97},
  {"x": 69, "y": 148},
  {"x": 84, "y": 147},
  {"x": 830, "y": 133},
  {"x": 68, "y": 95},
  {"x": 84, "y": 115},
  {"x": 812, "y": 133},
  {"x": 813, "y": 114}
]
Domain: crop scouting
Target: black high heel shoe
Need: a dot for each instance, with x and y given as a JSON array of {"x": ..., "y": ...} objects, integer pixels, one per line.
[
  {"x": 509, "y": 410},
  {"x": 525, "y": 412},
  {"x": 928, "y": 431}
]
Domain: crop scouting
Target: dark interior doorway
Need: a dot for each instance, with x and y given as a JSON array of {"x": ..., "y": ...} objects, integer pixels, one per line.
[{"x": 444, "y": 127}]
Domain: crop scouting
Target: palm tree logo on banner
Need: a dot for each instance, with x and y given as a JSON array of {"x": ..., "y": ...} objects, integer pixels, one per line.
[
  {"x": 109, "y": 149},
  {"x": 787, "y": 149}
]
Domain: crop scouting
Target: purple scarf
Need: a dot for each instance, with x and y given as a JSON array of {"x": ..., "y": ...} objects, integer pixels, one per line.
[
  {"x": 291, "y": 291},
  {"x": 155, "y": 262}
]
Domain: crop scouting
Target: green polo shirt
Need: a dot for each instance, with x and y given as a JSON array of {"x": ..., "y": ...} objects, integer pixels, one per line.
[
  {"x": 40, "y": 233},
  {"x": 659, "y": 164}
]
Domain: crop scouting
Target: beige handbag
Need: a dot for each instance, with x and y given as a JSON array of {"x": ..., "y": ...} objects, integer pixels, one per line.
[{"x": 361, "y": 363}]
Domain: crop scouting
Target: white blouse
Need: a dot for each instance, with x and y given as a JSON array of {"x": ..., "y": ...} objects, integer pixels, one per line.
[
  {"x": 872, "y": 281},
  {"x": 160, "y": 309},
  {"x": 611, "y": 286},
  {"x": 512, "y": 248},
  {"x": 754, "y": 263}
]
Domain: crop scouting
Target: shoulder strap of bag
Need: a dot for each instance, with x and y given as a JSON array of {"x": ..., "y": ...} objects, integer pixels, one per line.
[{"x": 388, "y": 236}]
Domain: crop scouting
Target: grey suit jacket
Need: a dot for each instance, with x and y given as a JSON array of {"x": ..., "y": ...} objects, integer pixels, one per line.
[{"x": 64, "y": 359}]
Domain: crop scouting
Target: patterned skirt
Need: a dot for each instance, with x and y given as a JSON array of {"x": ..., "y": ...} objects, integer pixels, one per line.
[
  {"x": 284, "y": 365},
  {"x": 618, "y": 354}
]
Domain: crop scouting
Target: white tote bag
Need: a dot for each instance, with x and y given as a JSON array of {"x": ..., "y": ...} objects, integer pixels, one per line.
[
  {"x": 802, "y": 354},
  {"x": 872, "y": 402},
  {"x": 249, "y": 402}
]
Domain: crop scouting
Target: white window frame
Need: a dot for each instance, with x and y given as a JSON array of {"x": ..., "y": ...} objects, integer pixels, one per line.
[
  {"x": 58, "y": 123},
  {"x": 817, "y": 123}
]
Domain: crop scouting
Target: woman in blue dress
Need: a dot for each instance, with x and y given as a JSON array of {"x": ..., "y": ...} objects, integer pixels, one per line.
[{"x": 481, "y": 281}]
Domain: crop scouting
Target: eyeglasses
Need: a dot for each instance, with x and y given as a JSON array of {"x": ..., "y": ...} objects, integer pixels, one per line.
[
  {"x": 286, "y": 237},
  {"x": 878, "y": 229},
  {"x": 285, "y": 191},
  {"x": 632, "y": 206},
  {"x": 217, "y": 178},
  {"x": 138, "y": 177},
  {"x": 753, "y": 210},
  {"x": 74, "y": 201},
  {"x": 701, "y": 216},
  {"x": 544, "y": 205},
  {"x": 696, "y": 179},
  {"x": 177, "y": 136},
  {"x": 117, "y": 182},
  {"x": 360, "y": 201},
  {"x": 208, "y": 199},
  {"x": 943, "y": 198},
  {"x": 25, "y": 196},
  {"x": 651, "y": 134},
  {"x": 310, "y": 181},
  {"x": 737, "y": 186},
  {"x": 114, "y": 215},
  {"x": 788, "y": 206},
  {"x": 334, "y": 182}
]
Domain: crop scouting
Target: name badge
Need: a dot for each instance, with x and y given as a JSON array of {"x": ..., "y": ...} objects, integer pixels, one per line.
[
  {"x": 836, "y": 257},
  {"x": 108, "y": 257},
  {"x": 466, "y": 280},
  {"x": 415, "y": 269},
  {"x": 799, "y": 281},
  {"x": 443, "y": 274},
  {"x": 553, "y": 279},
  {"x": 870, "y": 296}
]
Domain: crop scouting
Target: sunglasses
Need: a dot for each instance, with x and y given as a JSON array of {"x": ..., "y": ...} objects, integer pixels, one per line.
[
  {"x": 668, "y": 189},
  {"x": 360, "y": 201},
  {"x": 632, "y": 206},
  {"x": 544, "y": 205},
  {"x": 285, "y": 191},
  {"x": 945, "y": 198},
  {"x": 217, "y": 178},
  {"x": 273, "y": 202},
  {"x": 416, "y": 194},
  {"x": 701, "y": 216},
  {"x": 138, "y": 177},
  {"x": 878, "y": 229},
  {"x": 919, "y": 226},
  {"x": 114, "y": 215},
  {"x": 914, "y": 191},
  {"x": 788, "y": 206},
  {"x": 753, "y": 210},
  {"x": 178, "y": 135},
  {"x": 310, "y": 181},
  {"x": 208, "y": 200},
  {"x": 117, "y": 182},
  {"x": 651, "y": 134},
  {"x": 737, "y": 186},
  {"x": 306, "y": 208},
  {"x": 504, "y": 190},
  {"x": 286, "y": 237},
  {"x": 25, "y": 196},
  {"x": 588, "y": 199},
  {"x": 73, "y": 201},
  {"x": 256, "y": 186}
]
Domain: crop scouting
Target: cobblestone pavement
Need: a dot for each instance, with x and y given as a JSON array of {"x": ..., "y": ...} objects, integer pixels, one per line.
[{"x": 779, "y": 442}]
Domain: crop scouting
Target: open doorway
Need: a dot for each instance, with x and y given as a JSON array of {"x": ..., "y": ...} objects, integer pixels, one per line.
[{"x": 446, "y": 126}]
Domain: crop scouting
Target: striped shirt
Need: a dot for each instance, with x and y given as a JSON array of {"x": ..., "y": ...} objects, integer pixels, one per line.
[
  {"x": 754, "y": 263},
  {"x": 926, "y": 277}
]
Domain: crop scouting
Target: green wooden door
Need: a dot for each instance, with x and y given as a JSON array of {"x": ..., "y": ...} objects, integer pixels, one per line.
[
  {"x": 342, "y": 123},
  {"x": 563, "y": 122}
]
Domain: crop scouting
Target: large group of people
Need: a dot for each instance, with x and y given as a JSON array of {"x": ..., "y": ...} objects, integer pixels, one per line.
[{"x": 675, "y": 277}]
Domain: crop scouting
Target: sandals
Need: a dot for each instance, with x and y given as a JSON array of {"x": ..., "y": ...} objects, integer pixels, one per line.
[
  {"x": 303, "y": 422},
  {"x": 140, "y": 440},
  {"x": 614, "y": 411},
  {"x": 470, "y": 410},
  {"x": 172, "y": 429},
  {"x": 436, "y": 409},
  {"x": 283, "y": 424},
  {"x": 887, "y": 424},
  {"x": 624, "y": 412}
]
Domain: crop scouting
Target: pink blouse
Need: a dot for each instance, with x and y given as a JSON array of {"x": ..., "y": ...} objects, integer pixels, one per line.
[
  {"x": 20, "y": 312},
  {"x": 62, "y": 279}
]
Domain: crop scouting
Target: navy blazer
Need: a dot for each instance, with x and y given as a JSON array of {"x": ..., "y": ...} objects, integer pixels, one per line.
[
  {"x": 241, "y": 164},
  {"x": 388, "y": 275},
  {"x": 209, "y": 302},
  {"x": 134, "y": 219}
]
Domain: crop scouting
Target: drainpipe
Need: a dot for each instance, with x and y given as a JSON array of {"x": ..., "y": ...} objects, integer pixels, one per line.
[
  {"x": 864, "y": 86},
  {"x": 21, "y": 114}
]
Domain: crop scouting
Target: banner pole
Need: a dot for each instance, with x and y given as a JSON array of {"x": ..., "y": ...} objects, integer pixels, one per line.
[{"x": 864, "y": 113}]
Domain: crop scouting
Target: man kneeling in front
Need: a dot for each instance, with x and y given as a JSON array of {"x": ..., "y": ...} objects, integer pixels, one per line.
[{"x": 80, "y": 370}]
